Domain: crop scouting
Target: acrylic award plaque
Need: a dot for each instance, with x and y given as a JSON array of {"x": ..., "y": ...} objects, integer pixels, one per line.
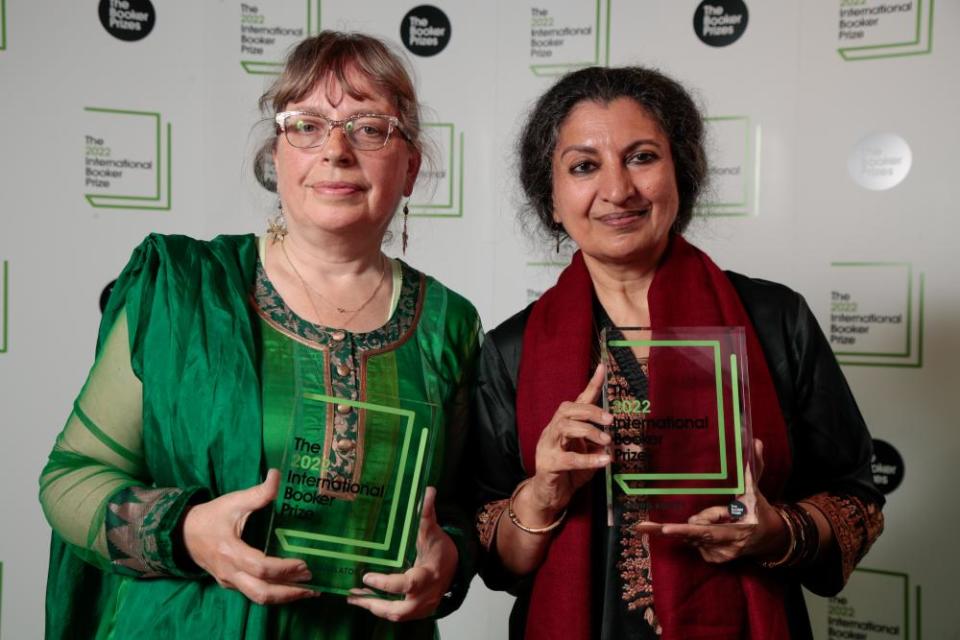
[
  {"x": 347, "y": 517},
  {"x": 681, "y": 438}
]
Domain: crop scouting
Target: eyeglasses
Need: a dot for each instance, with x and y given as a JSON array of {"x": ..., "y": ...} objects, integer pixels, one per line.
[{"x": 364, "y": 131}]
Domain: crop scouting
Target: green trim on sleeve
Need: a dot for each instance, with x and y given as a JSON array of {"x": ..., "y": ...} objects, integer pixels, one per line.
[{"x": 107, "y": 441}]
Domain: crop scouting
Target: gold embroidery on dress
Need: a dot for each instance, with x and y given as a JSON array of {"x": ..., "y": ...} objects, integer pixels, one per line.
[
  {"x": 856, "y": 525},
  {"x": 634, "y": 567},
  {"x": 487, "y": 519}
]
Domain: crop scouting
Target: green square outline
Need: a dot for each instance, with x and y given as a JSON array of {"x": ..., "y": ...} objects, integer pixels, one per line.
[
  {"x": 918, "y": 616},
  {"x": 425, "y": 210},
  {"x": 103, "y": 201},
  {"x": 843, "y": 51},
  {"x": 550, "y": 70},
  {"x": 283, "y": 534},
  {"x": 259, "y": 68},
  {"x": 547, "y": 263},
  {"x": 906, "y": 594},
  {"x": 722, "y": 209},
  {"x": 5, "y": 301},
  {"x": 909, "y": 329},
  {"x": 3, "y": 25},
  {"x": 920, "y": 326},
  {"x": 622, "y": 478}
]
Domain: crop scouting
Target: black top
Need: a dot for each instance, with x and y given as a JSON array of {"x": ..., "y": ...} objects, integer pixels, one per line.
[{"x": 830, "y": 445}]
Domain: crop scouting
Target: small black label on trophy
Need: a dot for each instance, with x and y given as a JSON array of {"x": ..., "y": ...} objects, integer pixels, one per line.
[{"x": 737, "y": 509}]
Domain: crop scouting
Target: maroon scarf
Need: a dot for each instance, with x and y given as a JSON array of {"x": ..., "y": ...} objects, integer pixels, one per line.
[{"x": 692, "y": 598}]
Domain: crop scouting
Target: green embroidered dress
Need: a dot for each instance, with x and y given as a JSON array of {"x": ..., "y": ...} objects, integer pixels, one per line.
[{"x": 189, "y": 399}]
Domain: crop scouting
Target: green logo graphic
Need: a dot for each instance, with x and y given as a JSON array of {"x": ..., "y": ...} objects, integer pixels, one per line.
[
  {"x": 264, "y": 39},
  {"x": 560, "y": 38},
  {"x": 442, "y": 197},
  {"x": 874, "y": 604},
  {"x": 872, "y": 321},
  {"x": 733, "y": 167},
  {"x": 127, "y": 161},
  {"x": 3, "y": 25},
  {"x": 886, "y": 29},
  {"x": 4, "y": 305}
]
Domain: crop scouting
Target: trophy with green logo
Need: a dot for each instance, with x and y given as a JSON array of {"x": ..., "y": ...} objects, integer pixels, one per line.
[
  {"x": 348, "y": 506},
  {"x": 681, "y": 437}
]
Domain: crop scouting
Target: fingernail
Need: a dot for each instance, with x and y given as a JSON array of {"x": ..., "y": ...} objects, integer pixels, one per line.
[
  {"x": 603, "y": 460},
  {"x": 607, "y": 417},
  {"x": 369, "y": 580}
]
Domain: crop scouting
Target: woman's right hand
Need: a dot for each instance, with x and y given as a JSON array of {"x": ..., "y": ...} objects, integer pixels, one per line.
[
  {"x": 212, "y": 536},
  {"x": 570, "y": 450}
]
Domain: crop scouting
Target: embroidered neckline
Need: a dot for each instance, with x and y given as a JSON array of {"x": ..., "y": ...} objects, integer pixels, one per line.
[{"x": 274, "y": 307}]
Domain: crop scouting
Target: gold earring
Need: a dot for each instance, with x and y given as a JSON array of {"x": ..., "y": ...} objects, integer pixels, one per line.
[{"x": 277, "y": 226}]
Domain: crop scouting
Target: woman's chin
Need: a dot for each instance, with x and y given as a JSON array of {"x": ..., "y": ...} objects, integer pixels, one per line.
[
  {"x": 343, "y": 224},
  {"x": 627, "y": 250}
]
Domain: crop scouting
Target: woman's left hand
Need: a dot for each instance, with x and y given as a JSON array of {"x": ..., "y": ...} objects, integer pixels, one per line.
[
  {"x": 423, "y": 584},
  {"x": 719, "y": 538}
]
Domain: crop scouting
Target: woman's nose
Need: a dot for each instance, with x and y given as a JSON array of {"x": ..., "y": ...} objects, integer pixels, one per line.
[
  {"x": 615, "y": 184},
  {"x": 337, "y": 149}
]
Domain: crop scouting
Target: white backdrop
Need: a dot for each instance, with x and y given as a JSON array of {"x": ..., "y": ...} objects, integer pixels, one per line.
[{"x": 105, "y": 140}]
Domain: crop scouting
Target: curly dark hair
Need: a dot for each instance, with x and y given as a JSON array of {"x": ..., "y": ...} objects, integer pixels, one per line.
[{"x": 663, "y": 98}]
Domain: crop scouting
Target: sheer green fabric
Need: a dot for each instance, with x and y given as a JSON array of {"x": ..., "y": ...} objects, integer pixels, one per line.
[
  {"x": 99, "y": 451},
  {"x": 193, "y": 343}
]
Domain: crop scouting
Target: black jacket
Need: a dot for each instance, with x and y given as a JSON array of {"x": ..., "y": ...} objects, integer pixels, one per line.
[{"x": 830, "y": 445}]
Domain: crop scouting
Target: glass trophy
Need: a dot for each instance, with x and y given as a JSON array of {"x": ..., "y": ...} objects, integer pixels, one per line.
[
  {"x": 346, "y": 516},
  {"x": 681, "y": 437}
]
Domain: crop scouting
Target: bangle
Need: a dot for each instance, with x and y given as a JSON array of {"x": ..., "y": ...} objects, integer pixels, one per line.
[
  {"x": 519, "y": 525},
  {"x": 804, "y": 538},
  {"x": 791, "y": 543},
  {"x": 811, "y": 547}
]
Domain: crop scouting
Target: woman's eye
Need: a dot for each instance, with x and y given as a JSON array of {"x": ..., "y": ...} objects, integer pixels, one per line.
[
  {"x": 369, "y": 128},
  {"x": 305, "y": 126},
  {"x": 582, "y": 167},
  {"x": 642, "y": 157}
]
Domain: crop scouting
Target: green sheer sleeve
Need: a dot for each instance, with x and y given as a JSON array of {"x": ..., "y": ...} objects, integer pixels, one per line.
[{"x": 95, "y": 490}]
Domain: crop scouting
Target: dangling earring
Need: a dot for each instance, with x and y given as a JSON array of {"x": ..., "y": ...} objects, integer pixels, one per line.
[
  {"x": 404, "y": 237},
  {"x": 277, "y": 227},
  {"x": 556, "y": 232}
]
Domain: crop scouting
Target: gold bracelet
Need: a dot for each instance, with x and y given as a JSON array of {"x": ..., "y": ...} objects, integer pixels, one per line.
[
  {"x": 791, "y": 543},
  {"x": 519, "y": 525}
]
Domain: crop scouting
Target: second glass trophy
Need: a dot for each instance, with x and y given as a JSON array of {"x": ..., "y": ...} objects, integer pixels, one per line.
[{"x": 681, "y": 430}]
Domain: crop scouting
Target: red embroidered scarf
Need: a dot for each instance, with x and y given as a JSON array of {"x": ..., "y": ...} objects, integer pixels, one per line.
[{"x": 692, "y": 598}]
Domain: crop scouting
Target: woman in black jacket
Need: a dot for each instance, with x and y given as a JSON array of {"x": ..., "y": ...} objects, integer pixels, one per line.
[{"x": 614, "y": 159}]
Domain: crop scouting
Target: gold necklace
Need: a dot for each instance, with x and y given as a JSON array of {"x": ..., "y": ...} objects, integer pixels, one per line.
[{"x": 307, "y": 289}]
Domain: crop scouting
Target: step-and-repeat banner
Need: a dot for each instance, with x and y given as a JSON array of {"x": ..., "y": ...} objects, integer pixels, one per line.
[{"x": 833, "y": 139}]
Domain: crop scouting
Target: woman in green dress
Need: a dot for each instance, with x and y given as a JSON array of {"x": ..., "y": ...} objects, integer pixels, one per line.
[{"x": 204, "y": 348}]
